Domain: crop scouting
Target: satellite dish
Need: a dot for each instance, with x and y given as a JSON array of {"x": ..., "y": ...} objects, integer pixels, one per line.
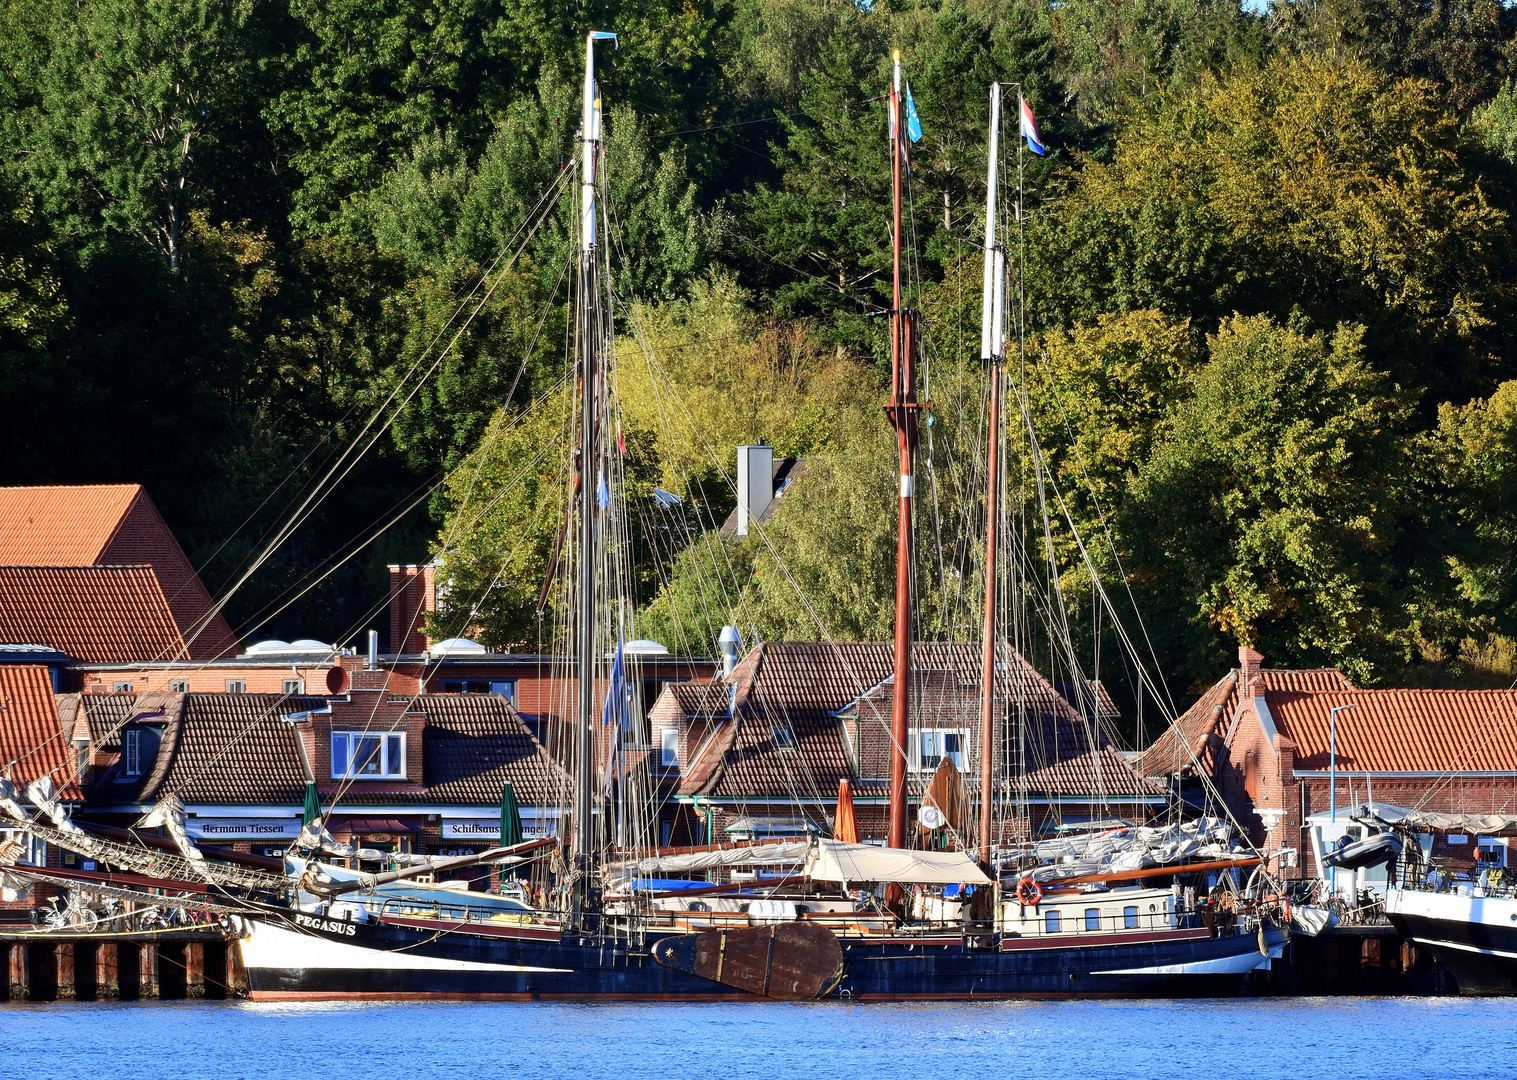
[
  {"x": 337, "y": 680},
  {"x": 930, "y": 817}
]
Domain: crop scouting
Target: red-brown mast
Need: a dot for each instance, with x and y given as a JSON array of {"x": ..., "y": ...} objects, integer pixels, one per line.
[{"x": 903, "y": 415}]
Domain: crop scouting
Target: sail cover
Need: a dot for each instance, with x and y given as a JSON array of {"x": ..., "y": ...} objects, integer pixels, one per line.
[
  {"x": 833, "y": 860},
  {"x": 1433, "y": 821},
  {"x": 757, "y": 855}
]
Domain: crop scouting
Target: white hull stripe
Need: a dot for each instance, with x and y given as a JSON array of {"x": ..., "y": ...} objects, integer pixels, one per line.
[
  {"x": 273, "y": 947},
  {"x": 1226, "y": 965},
  {"x": 1465, "y": 948}
]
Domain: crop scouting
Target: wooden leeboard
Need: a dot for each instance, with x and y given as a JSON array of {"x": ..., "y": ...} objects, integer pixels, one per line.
[{"x": 785, "y": 961}]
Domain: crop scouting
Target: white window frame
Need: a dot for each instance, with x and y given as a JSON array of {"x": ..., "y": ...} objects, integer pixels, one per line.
[
  {"x": 179, "y": 686},
  {"x": 121, "y": 688},
  {"x": 294, "y": 687},
  {"x": 669, "y": 743},
  {"x": 131, "y": 752},
  {"x": 920, "y": 761},
  {"x": 237, "y": 686},
  {"x": 392, "y": 744}
]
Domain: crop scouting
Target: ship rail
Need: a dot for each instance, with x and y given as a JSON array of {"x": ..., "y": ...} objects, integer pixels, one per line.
[{"x": 1454, "y": 875}]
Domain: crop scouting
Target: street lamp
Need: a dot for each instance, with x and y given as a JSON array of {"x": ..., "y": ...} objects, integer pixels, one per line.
[{"x": 1332, "y": 759}]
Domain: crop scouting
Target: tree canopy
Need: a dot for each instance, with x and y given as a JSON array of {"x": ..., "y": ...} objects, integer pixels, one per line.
[{"x": 1269, "y": 270}]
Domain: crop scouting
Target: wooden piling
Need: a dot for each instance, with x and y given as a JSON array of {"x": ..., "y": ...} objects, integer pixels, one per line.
[
  {"x": 18, "y": 973},
  {"x": 107, "y": 972},
  {"x": 147, "y": 972},
  {"x": 236, "y": 974},
  {"x": 64, "y": 957},
  {"x": 194, "y": 969}
]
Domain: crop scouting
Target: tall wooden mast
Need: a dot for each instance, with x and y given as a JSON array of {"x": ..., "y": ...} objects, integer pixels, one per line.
[
  {"x": 992, "y": 334},
  {"x": 902, "y": 410},
  {"x": 591, "y": 337}
]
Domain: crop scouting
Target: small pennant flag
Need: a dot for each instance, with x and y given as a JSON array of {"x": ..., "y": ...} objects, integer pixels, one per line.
[
  {"x": 621, "y": 439},
  {"x": 602, "y": 492},
  {"x": 1030, "y": 129},
  {"x": 913, "y": 122}
]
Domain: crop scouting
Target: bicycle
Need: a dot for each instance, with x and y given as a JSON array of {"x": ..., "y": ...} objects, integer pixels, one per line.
[{"x": 71, "y": 914}]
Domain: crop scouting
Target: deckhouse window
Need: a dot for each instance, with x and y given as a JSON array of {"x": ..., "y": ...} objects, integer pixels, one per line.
[
  {"x": 1050, "y": 922},
  {"x": 934, "y": 745},
  {"x": 1092, "y": 918},
  {"x": 368, "y": 755},
  {"x": 1130, "y": 918}
]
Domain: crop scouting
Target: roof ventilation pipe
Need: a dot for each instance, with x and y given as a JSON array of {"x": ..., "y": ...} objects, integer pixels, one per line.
[
  {"x": 373, "y": 650},
  {"x": 755, "y": 484},
  {"x": 731, "y": 643}
]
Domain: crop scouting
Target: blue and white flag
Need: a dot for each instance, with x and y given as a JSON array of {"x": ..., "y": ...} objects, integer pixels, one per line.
[
  {"x": 602, "y": 492},
  {"x": 913, "y": 122},
  {"x": 1030, "y": 129}
]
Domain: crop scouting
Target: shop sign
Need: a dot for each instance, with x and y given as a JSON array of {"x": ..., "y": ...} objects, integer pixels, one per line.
[
  {"x": 489, "y": 829},
  {"x": 213, "y": 829}
]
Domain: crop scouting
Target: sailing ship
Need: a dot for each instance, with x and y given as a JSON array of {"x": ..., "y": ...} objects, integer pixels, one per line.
[{"x": 1100, "y": 914}]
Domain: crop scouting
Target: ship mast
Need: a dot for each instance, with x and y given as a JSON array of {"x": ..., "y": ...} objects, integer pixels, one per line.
[
  {"x": 992, "y": 334},
  {"x": 902, "y": 410},
  {"x": 591, "y": 336}
]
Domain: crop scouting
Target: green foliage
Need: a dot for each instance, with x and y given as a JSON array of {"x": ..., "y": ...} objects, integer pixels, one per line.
[
  {"x": 1117, "y": 53},
  {"x": 1273, "y": 503},
  {"x": 125, "y": 109},
  {"x": 1310, "y": 184}
]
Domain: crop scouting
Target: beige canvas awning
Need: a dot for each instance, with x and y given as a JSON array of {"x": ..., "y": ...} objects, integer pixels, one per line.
[{"x": 833, "y": 860}]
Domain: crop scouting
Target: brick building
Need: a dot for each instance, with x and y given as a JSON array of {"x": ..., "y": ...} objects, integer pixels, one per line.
[
  {"x": 414, "y": 773},
  {"x": 761, "y": 749},
  {"x": 96, "y": 527},
  {"x": 35, "y": 742},
  {"x": 1265, "y": 739}
]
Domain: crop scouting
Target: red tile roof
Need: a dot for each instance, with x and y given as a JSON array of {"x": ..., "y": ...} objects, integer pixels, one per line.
[
  {"x": 475, "y": 742},
  {"x": 1213, "y": 712},
  {"x": 32, "y": 741},
  {"x": 1402, "y": 730},
  {"x": 62, "y": 526},
  {"x": 110, "y": 524},
  {"x": 98, "y": 614},
  {"x": 804, "y": 686},
  {"x": 236, "y": 748},
  {"x": 1098, "y": 773}
]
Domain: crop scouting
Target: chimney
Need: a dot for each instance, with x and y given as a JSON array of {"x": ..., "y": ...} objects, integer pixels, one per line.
[
  {"x": 413, "y": 595},
  {"x": 731, "y": 643},
  {"x": 755, "y": 483},
  {"x": 1249, "y": 662}
]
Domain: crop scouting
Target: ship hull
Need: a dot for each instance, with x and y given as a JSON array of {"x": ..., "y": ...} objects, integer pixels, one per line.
[
  {"x": 1474, "y": 937},
  {"x": 331, "y": 960}
]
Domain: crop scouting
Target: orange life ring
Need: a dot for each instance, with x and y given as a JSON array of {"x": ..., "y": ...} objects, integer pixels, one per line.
[{"x": 1029, "y": 892}]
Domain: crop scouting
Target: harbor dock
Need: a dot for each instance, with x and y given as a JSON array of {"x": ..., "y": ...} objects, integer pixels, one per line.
[{"x": 187, "y": 964}]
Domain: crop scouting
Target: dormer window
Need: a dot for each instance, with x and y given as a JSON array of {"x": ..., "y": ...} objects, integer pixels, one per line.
[
  {"x": 358, "y": 755},
  {"x": 671, "y": 748},
  {"x": 933, "y": 746},
  {"x": 131, "y": 753}
]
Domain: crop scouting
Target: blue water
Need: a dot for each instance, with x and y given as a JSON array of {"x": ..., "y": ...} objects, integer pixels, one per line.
[{"x": 1338, "y": 1038}]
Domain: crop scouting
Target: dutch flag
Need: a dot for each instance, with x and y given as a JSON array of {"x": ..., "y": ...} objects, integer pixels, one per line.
[{"x": 1030, "y": 128}]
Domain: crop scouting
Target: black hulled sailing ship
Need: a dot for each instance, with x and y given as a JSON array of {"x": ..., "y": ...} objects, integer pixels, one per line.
[{"x": 1057, "y": 927}]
